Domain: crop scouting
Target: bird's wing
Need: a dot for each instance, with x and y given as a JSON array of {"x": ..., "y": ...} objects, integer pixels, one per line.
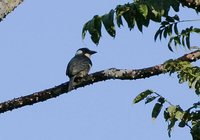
[{"x": 77, "y": 65}]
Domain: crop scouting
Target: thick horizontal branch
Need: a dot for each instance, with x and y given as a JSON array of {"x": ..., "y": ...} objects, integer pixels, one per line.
[{"x": 113, "y": 73}]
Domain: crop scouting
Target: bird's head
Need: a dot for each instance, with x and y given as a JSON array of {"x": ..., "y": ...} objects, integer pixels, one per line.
[{"x": 85, "y": 51}]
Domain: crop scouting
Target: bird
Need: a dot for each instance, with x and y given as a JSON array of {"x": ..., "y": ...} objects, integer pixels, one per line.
[{"x": 79, "y": 66}]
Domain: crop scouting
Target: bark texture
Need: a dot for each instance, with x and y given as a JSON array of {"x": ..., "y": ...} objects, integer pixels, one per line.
[{"x": 7, "y": 6}]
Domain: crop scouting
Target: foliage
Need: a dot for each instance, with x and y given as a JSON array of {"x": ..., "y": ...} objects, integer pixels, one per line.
[
  {"x": 181, "y": 39},
  {"x": 139, "y": 13},
  {"x": 173, "y": 113},
  {"x": 185, "y": 73}
]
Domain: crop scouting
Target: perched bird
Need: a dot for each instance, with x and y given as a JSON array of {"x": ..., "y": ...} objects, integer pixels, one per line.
[{"x": 79, "y": 65}]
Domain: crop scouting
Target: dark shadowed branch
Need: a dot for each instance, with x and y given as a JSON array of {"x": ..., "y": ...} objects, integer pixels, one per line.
[{"x": 112, "y": 73}]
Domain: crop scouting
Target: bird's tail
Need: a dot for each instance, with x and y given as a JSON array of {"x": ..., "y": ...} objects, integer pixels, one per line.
[{"x": 71, "y": 82}]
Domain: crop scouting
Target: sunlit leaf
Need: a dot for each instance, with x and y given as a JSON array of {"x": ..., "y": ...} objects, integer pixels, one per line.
[
  {"x": 143, "y": 9},
  {"x": 142, "y": 96},
  {"x": 179, "y": 115},
  {"x": 172, "y": 109},
  {"x": 109, "y": 23}
]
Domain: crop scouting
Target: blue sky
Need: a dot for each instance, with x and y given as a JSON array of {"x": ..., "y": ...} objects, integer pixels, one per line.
[{"x": 37, "y": 41}]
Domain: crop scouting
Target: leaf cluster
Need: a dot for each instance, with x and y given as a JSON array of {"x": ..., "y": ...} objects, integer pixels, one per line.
[
  {"x": 139, "y": 13},
  {"x": 169, "y": 26},
  {"x": 149, "y": 96},
  {"x": 173, "y": 113},
  {"x": 183, "y": 38},
  {"x": 185, "y": 73}
]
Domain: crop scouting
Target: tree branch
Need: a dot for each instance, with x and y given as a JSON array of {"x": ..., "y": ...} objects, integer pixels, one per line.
[
  {"x": 112, "y": 73},
  {"x": 7, "y": 6}
]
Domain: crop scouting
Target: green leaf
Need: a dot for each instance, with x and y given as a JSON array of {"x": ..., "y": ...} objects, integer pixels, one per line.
[
  {"x": 150, "y": 99},
  {"x": 146, "y": 22},
  {"x": 130, "y": 19},
  {"x": 187, "y": 39},
  {"x": 169, "y": 44},
  {"x": 197, "y": 91},
  {"x": 179, "y": 115},
  {"x": 143, "y": 9},
  {"x": 121, "y": 9},
  {"x": 176, "y": 29},
  {"x": 156, "y": 110},
  {"x": 175, "y": 5},
  {"x": 197, "y": 88},
  {"x": 166, "y": 115},
  {"x": 109, "y": 23},
  {"x": 139, "y": 23},
  {"x": 95, "y": 38},
  {"x": 84, "y": 30},
  {"x": 161, "y": 100},
  {"x": 94, "y": 28},
  {"x": 164, "y": 23},
  {"x": 169, "y": 19},
  {"x": 183, "y": 41},
  {"x": 176, "y": 17},
  {"x": 157, "y": 34},
  {"x": 142, "y": 95},
  {"x": 182, "y": 124},
  {"x": 119, "y": 21},
  {"x": 170, "y": 30},
  {"x": 160, "y": 36},
  {"x": 172, "y": 109},
  {"x": 177, "y": 40},
  {"x": 97, "y": 24},
  {"x": 154, "y": 15},
  {"x": 165, "y": 32},
  {"x": 196, "y": 30}
]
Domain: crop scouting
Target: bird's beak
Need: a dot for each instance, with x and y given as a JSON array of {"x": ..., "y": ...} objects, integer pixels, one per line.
[{"x": 92, "y": 52}]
